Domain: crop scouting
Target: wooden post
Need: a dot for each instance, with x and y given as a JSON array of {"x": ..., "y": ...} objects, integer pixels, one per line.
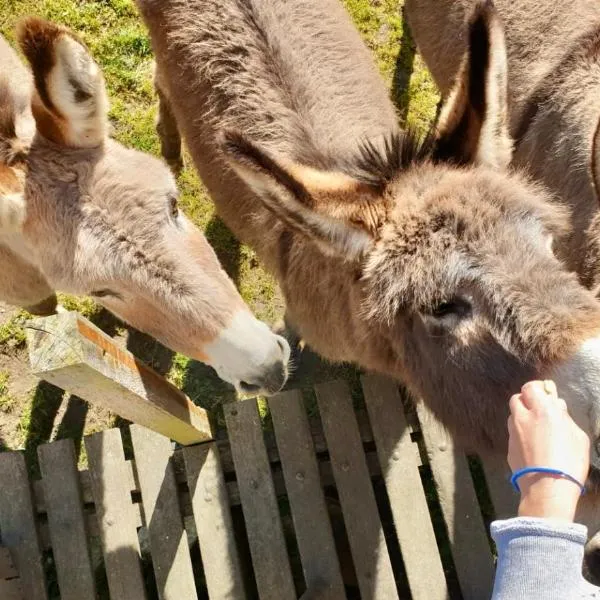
[{"x": 71, "y": 353}]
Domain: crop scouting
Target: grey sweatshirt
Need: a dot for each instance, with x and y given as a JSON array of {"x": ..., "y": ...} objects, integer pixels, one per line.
[{"x": 540, "y": 559}]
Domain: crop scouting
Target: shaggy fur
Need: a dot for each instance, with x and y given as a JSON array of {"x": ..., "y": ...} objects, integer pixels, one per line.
[
  {"x": 554, "y": 64},
  {"x": 85, "y": 215},
  {"x": 409, "y": 264}
]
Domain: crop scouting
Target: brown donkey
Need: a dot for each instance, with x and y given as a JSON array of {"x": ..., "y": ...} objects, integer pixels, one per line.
[
  {"x": 554, "y": 98},
  {"x": 428, "y": 261},
  {"x": 81, "y": 213}
]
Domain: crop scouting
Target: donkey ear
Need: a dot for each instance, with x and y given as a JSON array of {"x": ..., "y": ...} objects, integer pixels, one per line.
[
  {"x": 70, "y": 105},
  {"x": 341, "y": 213},
  {"x": 473, "y": 124}
]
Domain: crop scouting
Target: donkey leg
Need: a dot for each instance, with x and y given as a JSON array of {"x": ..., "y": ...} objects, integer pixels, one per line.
[{"x": 167, "y": 129}]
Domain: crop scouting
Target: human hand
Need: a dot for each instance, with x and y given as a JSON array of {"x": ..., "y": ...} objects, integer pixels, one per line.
[{"x": 543, "y": 434}]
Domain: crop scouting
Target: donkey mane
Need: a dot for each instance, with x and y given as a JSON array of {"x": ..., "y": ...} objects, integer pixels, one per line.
[{"x": 376, "y": 164}]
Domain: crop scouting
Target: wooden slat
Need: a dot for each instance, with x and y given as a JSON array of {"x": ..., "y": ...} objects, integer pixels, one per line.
[
  {"x": 18, "y": 525},
  {"x": 11, "y": 590},
  {"x": 168, "y": 540},
  {"x": 309, "y": 511},
  {"x": 365, "y": 533},
  {"x": 468, "y": 538},
  {"x": 7, "y": 567},
  {"x": 213, "y": 523},
  {"x": 504, "y": 497},
  {"x": 73, "y": 354},
  {"x": 116, "y": 517},
  {"x": 259, "y": 504},
  {"x": 405, "y": 490},
  {"x": 58, "y": 464}
]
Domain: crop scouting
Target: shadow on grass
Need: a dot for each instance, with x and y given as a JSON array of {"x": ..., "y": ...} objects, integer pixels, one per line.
[
  {"x": 226, "y": 246},
  {"x": 404, "y": 68}
]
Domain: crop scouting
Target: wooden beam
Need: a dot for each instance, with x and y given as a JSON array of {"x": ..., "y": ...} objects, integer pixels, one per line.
[{"x": 71, "y": 353}]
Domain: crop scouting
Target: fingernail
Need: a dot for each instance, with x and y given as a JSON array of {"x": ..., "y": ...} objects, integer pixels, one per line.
[{"x": 550, "y": 387}]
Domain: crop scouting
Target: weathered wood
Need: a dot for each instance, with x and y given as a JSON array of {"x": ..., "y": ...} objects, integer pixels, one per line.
[
  {"x": 116, "y": 517},
  {"x": 405, "y": 490},
  {"x": 259, "y": 503},
  {"x": 18, "y": 525},
  {"x": 71, "y": 353},
  {"x": 7, "y": 566},
  {"x": 168, "y": 540},
  {"x": 11, "y": 590},
  {"x": 504, "y": 498},
  {"x": 303, "y": 483},
  {"x": 58, "y": 464},
  {"x": 361, "y": 516},
  {"x": 462, "y": 514},
  {"x": 214, "y": 526}
]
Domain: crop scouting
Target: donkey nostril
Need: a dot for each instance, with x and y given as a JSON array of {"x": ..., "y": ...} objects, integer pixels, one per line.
[
  {"x": 281, "y": 345},
  {"x": 249, "y": 388}
]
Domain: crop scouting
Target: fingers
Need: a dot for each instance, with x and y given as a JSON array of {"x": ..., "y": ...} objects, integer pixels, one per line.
[
  {"x": 540, "y": 395},
  {"x": 550, "y": 388}
]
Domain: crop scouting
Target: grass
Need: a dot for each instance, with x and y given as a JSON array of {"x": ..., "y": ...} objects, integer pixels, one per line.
[{"x": 7, "y": 401}]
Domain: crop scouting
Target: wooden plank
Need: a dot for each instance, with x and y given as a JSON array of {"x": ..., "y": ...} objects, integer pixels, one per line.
[
  {"x": 365, "y": 533},
  {"x": 7, "y": 566},
  {"x": 58, "y": 464},
  {"x": 11, "y": 589},
  {"x": 18, "y": 525},
  {"x": 214, "y": 525},
  {"x": 303, "y": 483},
  {"x": 504, "y": 498},
  {"x": 168, "y": 539},
  {"x": 462, "y": 514},
  {"x": 259, "y": 504},
  {"x": 405, "y": 490},
  {"x": 71, "y": 353},
  {"x": 116, "y": 517}
]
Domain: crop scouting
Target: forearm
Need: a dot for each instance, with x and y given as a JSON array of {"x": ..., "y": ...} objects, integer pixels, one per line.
[{"x": 539, "y": 559}]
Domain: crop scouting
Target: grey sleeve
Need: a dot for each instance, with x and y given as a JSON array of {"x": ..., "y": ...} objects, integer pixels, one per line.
[{"x": 540, "y": 559}]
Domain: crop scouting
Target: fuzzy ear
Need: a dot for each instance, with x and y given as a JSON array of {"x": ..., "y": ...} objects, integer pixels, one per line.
[
  {"x": 70, "y": 105},
  {"x": 341, "y": 213},
  {"x": 473, "y": 124}
]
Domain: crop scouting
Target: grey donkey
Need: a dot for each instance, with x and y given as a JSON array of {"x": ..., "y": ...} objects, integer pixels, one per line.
[
  {"x": 428, "y": 260},
  {"x": 83, "y": 214},
  {"x": 553, "y": 53}
]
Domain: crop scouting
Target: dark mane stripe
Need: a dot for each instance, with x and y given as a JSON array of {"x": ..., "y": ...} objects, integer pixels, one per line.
[{"x": 376, "y": 164}]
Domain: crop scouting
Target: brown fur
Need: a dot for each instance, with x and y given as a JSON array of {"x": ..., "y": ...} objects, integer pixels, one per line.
[
  {"x": 554, "y": 64},
  {"x": 87, "y": 216},
  {"x": 409, "y": 265}
]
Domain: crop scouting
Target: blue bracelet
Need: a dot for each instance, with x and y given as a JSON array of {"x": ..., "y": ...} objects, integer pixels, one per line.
[{"x": 518, "y": 474}]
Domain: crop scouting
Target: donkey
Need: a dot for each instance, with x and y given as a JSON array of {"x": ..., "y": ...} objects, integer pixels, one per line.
[
  {"x": 554, "y": 102},
  {"x": 422, "y": 259},
  {"x": 81, "y": 213}
]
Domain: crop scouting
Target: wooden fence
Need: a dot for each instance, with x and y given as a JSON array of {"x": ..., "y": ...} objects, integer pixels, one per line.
[{"x": 373, "y": 503}]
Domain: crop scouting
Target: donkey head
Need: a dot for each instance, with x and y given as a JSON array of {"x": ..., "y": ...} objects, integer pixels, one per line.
[
  {"x": 452, "y": 253},
  {"x": 103, "y": 220}
]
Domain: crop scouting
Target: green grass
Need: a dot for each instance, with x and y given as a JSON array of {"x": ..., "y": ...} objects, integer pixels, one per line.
[{"x": 7, "y": 400}]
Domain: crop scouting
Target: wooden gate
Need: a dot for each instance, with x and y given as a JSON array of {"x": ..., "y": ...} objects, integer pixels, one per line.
[{"x": 336, "y": 505}]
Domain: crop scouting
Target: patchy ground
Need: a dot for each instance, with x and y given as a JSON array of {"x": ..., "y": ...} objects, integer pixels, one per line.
[{"x": 32, "y": 413}]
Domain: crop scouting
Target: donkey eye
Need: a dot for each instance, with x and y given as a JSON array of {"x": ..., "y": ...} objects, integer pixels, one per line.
[
  {"x": 457, "y": 307},
  {"x": 104, "y": 293},
  {"x": 173, "y": 208}
]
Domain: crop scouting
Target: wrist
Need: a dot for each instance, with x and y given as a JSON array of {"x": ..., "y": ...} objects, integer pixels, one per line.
[{"x": 548, "y": 496}]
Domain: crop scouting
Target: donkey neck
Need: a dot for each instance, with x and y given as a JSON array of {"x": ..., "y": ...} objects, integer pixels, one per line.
[{"x": 556, "y": 129}]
